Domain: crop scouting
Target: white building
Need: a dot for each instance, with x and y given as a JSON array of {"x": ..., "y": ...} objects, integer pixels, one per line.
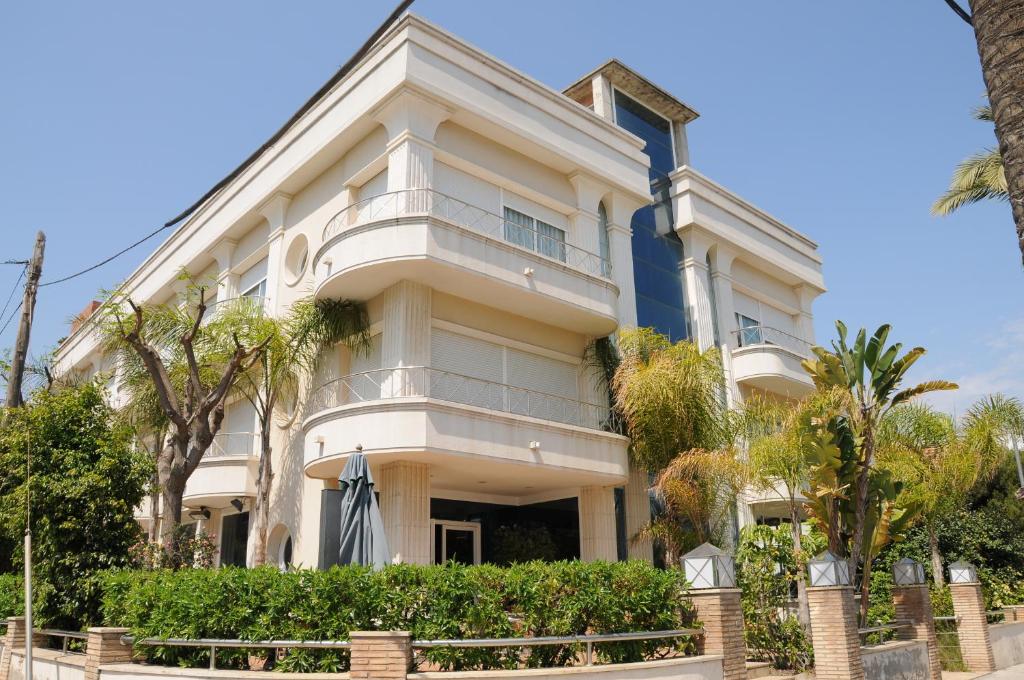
[{"x": 485, "y": 219}]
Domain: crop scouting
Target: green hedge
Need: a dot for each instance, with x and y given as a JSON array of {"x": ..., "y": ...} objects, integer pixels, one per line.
[
  {"x": 12, "y": 596},
  {"x": 440, "y": 602}
]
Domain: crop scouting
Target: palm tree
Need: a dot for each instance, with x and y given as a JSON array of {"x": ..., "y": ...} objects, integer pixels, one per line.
[
  {"x": 294, "y": 345},
  {"x": 671, "y": 397},
  {"x": 980, "y": 177},
  {"x": 940, "y": 460}
]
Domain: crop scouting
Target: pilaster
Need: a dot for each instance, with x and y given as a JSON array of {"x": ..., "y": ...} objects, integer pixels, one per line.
[
  {"x": 275, "y": 210},
  {"x": 972, "y": 627},
  {"x": 405, "y": 340},
  {"x": 597, "y": 524},
  {"x": 405, "y": 506},
  {"x": 620, "y": 244},
  {"x": 602, "y": 91},
  {"x": 227, "y": 283}
]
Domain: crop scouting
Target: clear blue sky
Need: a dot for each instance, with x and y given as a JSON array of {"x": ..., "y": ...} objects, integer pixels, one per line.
[{"x": 843, "y": 119}]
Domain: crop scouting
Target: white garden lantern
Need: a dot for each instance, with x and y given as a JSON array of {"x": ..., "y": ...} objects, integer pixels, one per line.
[
  {"x": 709, "y": 567},
  {"x": 907, "y": 572},
  {"x": 963, "y": 572},
  {"x": 828, "y": 570}
]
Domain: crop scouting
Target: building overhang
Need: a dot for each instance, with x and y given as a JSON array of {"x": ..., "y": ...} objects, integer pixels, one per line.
[{"x": 632, "y": 83}]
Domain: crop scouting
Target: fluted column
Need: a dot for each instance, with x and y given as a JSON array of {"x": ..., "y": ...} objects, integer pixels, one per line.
[
  {"x": 638, "y": 514},
  {"x": 405, "y": 506},
  {"x": 275, "y": 210},
  {"x": 597, "y": 524},
  {"x": 697, "y": 279},
  {"x": 405, "y": 340}
]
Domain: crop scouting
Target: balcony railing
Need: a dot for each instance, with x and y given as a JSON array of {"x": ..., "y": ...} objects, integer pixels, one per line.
[
  {"x": 422, "y": 381},
  {"x": 766, "y": 335},
  {"x": 232, "y": 444},
  {"x": 413, "y": 202},
  {"x": 250, "y": 304}
]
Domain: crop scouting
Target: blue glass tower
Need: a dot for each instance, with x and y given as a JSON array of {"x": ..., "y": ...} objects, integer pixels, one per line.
[{"x": 657, "y": 250}]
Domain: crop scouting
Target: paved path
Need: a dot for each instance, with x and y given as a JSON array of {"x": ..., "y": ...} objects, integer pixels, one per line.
[{"x": 1012, "y": 673}]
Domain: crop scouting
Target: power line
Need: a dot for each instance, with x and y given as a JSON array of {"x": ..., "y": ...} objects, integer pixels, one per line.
[
  {"x": 13, "y": 291},
  {"x": 112, "y": 257},
  {"x": 13, "y": 314}
]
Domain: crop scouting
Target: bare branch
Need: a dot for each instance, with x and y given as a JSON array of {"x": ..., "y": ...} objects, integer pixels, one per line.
[
  {"x": 187, "y": 342},
  {"x": 154, "y": 365}
]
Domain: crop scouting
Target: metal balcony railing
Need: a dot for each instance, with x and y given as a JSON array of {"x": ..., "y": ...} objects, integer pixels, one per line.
[
  {"x": 766, "y": 335},
  {"x": 423, "y": 381},
  {"x": 232, "y": 444},
  {"x": 427, "y": 202}
]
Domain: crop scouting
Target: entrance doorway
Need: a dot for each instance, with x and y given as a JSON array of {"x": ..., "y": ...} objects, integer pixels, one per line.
[{"x": 452, "y": 541}]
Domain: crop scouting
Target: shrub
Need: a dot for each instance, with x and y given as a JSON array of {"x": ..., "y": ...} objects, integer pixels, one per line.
[
  {"x": 436, "y": 602},
  {"x": 12, "y": 596},
  {"x": 766, "y": 568}
]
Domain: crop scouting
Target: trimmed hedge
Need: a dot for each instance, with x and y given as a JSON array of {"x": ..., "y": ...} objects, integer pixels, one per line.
[{"x": 436, "y": 602}]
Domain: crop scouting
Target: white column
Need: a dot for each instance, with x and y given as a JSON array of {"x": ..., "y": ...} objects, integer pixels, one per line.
[
  {"x": 411, "y": 121},
  {"x": 405, "y": 340},
  {"x": 585, "y": 222},
  {"x": 805, "y": 319},
  {"x": 405, "y": 506},
  {"x": 227, "y": 283},
  {"x": 620, "y": 242},
  {"x": 697, "y": 279},
  {"x": 275, "y": 210},
  {"x": 721, "y": 284},
  {"x": 682, "y": 147},
  {"x": 597, "y": 524},
  {"x": 638, "y": 514}
]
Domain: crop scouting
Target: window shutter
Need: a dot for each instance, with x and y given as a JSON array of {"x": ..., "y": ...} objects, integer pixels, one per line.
[
  {"x": 542, "y": 387},
  {"x": 364, "y": 385},
  {"x": 466, "y": 370}
]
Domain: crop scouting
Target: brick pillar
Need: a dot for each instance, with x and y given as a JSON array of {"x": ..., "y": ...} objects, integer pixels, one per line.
[
  {"x": 14, "y": 639},
  {"x": 721, "y": 615},
  {"x": 972, "y": 627},
  {"x": 104, "y": 646},
  {"x": 913, "y": 603},
  {"x": 1014, "y": 612},
  {"x": 834, "y": 630},
  {"x": 380, "y": 655}
]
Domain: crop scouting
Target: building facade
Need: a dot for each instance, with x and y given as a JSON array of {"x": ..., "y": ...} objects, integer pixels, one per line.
[{"x": 493, "y": 227}]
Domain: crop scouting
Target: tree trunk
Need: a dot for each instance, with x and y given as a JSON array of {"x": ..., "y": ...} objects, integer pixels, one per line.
[
  {"x": 172, "y": 488},
  {"x": 261, "y": 508},
  {"x": 999, "y": 30},
  {"x": 865, "y": 591},
  {"x": 803, "y": 612},
  {"x": 154, "y": 493},
  {"x": 860, "y": 508},
  {"x": 933, "y": 544}
]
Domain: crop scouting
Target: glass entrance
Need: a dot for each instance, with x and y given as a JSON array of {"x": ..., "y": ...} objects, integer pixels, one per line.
[{"x": 455, "y": 541}]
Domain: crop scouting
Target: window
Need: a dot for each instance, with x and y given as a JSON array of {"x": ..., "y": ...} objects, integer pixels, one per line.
[
  {"x": 253, "y": 282},
  {"x": 234, "y": 537},
  {"x": 528, "y": 232},
  {"x": 749, "y": 330}
]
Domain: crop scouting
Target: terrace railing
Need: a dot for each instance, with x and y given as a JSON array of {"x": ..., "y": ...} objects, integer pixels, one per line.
[
  {"x": 427, "y": 202},
  {"x": 423, "y": 381},
  {"x": 766, "y": 335}
]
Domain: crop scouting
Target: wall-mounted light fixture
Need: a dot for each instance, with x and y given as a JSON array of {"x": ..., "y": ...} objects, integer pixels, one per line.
[
  {"x": 201, "y": 513},
  {"x": 237, "y": 504}
]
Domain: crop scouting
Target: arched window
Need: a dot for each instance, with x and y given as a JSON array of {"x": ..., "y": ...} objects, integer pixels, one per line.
[{"x": 602, "y": 238}]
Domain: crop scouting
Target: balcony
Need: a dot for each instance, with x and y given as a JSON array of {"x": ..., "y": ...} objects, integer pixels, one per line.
[
  {"x": 768, "y": 359},
  {"x": 470, "y": 431},
  {"x": 426, "y": 236},
  {"x": 227, "y": 471}
]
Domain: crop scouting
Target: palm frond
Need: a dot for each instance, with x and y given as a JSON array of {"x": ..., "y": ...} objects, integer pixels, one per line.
[{"x": 979, "y": 177}]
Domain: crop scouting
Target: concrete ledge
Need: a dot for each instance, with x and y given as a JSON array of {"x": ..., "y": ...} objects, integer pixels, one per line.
[
  {"x": 134, "y": 671},
  {"x": 1007, "y": 643},
  {"x": 707, "y": 667},
  {"x": 904, "y": 659}
]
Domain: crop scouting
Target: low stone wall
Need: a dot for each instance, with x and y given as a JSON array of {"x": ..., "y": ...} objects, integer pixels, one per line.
[
  {"x": 1007, "y": 643},
  {"x": 903, "y": 660},
  {"x": 690, "y": 668},
  {"x": 48, "y": 664}
]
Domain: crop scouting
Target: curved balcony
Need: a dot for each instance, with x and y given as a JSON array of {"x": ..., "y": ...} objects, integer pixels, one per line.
[
  {"x": 464, "y": 250},
  {"x": 227, "y": 471},
  {"x": 769, "y": 359},
  {"x": 475, "y": 434}
]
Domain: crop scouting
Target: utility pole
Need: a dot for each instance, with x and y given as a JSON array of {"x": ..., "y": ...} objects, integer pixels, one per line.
[{"x": 28, "y": 305}]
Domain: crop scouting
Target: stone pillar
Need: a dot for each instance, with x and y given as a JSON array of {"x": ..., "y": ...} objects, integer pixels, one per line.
[
  {"x": 14, "y": 639},
  {"x": 638, "y": 514},
  {"x": 380, "y": 655},
  {"x": 227, "y": 283},
  {"x": 104, "y": 646},
  {"x": 405, "y": 340},
  {"x": 721, "y": 614},
  {"x": 411, "y": 121},
  {"x": 834, "y": 631},
  {"x": 405, "y": 506},
  {"x": 697, "y": 279},
  {"x": 721, "y": 285},
  {"x": 972, "y": 627},
  {"x": 913, "y": 603},
  {"x": 597, "y": 524},
  {"x": 601, "y": 88},
  {"x": 805, "y": 319},
  {"x": 620, "y": 244}
]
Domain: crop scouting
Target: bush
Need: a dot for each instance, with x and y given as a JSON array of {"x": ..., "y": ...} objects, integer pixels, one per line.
[
  {"x": 766, "y": 568},
  {"x": 437, "y": 602},
  {"x": 12, "y": 596}
]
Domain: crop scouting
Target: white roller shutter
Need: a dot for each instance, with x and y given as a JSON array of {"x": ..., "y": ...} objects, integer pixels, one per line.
[
  {"x": 542, "y": 387},
  {"x": 466, "y": 370},
  {"x": 365, "y": 380}
]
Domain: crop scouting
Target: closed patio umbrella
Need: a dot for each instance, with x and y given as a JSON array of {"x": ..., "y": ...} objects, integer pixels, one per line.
[{"x": 363, "y": 540}]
